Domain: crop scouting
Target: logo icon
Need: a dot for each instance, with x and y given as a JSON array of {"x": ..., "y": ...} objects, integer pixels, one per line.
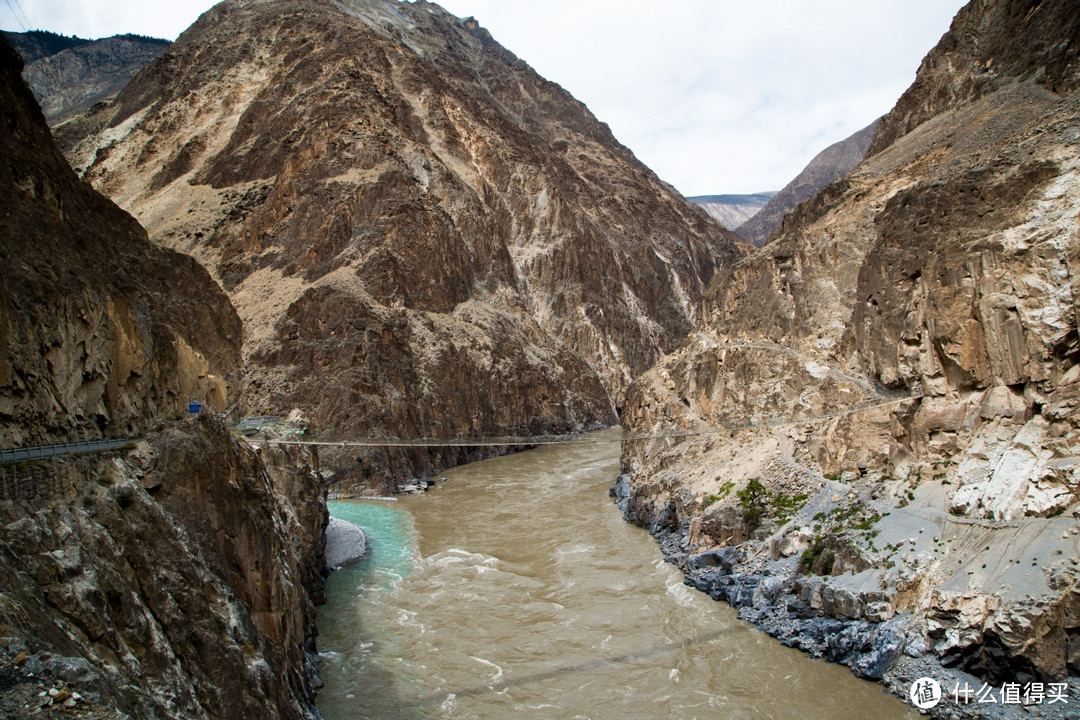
[{"x": 925, "y": 693}]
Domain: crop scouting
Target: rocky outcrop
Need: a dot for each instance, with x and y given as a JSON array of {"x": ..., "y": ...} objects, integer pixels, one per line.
[
  {"x": 174, "y": 581},
  {"x": 422, "y": 236},
  {"x": 72, "y": 80},
  {"x": 829, "y": 165},
  {"x": 885, "y": 395},
  {"x": 100, "y": 331},
  {"x": 731, "y": 211},
  {"x": 346, "y": 543}
]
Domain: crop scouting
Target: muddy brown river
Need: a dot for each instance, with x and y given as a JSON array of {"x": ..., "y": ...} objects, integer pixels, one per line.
[{"x": 516, "y": 590}]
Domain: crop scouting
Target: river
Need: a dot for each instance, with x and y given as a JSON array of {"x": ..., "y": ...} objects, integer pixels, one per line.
[{"x": 516, "y": 590}]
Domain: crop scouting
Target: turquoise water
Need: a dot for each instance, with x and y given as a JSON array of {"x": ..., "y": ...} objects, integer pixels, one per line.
[
  {"x": 359, "y": 636},
  {"x": 391, "y": 544}
]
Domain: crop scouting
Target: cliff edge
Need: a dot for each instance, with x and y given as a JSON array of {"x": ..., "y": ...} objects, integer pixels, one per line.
[{"x": 172, "y": 579}]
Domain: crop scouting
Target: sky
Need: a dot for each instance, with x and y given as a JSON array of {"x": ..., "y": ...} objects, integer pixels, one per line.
[{"x": 716, "y": 96}]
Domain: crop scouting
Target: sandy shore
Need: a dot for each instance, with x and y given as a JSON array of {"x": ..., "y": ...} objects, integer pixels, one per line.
[{"x": 345, "y": 543}]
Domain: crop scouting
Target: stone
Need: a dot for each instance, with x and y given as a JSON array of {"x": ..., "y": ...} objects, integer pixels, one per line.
[
  {"x": 346, "y": 543},
  {"x": 72, "y": 669},
  {"x": 1001, "y": 401},
  {"x": 913, "y": 316},
  {"x": 446, "y": 295},
  {"x": 879, "y": 611}
]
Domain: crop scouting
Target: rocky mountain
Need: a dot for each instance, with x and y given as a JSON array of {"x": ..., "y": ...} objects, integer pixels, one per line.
[
  {"x": 174, "y": 579},
  {"x": 71, "y": 80},
  {"x": 36, "y": 44},
  {"x": 100, "y": 331},
  {"x": 731, "y": 211},
  {"x": 829, "y": 165},
  {"x": 422, "y": 236},
  {"x": 869, "y": 443}
]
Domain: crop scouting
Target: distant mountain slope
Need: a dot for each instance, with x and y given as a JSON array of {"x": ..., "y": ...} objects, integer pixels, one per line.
[
  {"x": 731, "y": 211},
  {"x": 423, "y": 237},
  {"x": 830, "y": 164},
  {"x": 71, "y": 79},
  {"x": 36, "y": 44}
]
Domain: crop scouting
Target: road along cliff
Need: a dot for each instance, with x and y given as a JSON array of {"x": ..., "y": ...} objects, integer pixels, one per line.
[
  {"x": 100, "y": 330},
  {"x": 423, "y": 237},
  {"x": 172, "y": 579},
  {"x": 870, "y": 443}
]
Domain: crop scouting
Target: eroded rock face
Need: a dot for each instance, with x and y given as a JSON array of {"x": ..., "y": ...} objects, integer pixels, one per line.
[
  {"x": 99, "y": 329},
  {"x": 180, "y": 577},
  {"x": 422, "y": 236},
  {"x": 176, "y": 580},
  {"x": 69, "y": 82},
  {"x": 905, "y": 352}
]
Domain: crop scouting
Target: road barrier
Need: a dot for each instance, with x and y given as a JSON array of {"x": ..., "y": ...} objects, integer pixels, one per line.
[{"x": 40, "y": 452}]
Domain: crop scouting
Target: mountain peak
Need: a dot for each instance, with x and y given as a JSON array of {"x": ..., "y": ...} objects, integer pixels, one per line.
[{"x": 392, "y": 199}]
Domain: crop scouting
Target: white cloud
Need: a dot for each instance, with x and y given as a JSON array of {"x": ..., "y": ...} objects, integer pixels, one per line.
[{"x": 716, "y": 96}]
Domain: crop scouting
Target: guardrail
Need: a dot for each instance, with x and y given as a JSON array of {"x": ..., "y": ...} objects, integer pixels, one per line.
[
  {"x": 260, "y": 420},
  {"x": 39, "y": 452}
]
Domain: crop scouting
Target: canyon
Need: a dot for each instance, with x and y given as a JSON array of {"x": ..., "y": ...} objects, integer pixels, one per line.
[{"x": 863, "y": 435}]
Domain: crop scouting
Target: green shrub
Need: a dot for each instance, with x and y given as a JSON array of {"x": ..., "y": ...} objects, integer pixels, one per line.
[
  {"x": 124, "y": 497},
  {"x": 754, "y": 498}
]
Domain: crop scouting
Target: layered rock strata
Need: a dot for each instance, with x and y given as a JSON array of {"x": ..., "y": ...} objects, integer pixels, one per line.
[
  {"x": 897, "y": 371},
  {"x": 422, "y": 236}
]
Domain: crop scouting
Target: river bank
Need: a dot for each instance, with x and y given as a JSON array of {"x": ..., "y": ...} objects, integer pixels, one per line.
[{"x": 889, "y": 613}]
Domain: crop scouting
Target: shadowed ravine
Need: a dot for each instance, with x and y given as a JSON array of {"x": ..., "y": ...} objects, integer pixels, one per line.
[{"x": 515, "y": 589}]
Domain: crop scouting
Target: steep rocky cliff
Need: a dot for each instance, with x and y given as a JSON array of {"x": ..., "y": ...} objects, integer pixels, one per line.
[
  {"x": 175, "y": 579},
  {"x": 100, "y": 330},
  {"x": 422, "y": 236},
  {"x": 898, "y": 371},
  {"x": 172, "y": 581},
  {"x": 829, "y": 165},
  {"x": 70, "y": 81}
]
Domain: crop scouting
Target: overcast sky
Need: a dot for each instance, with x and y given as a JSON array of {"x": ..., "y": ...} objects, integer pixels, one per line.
[{"x": 716, "y": 96}]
